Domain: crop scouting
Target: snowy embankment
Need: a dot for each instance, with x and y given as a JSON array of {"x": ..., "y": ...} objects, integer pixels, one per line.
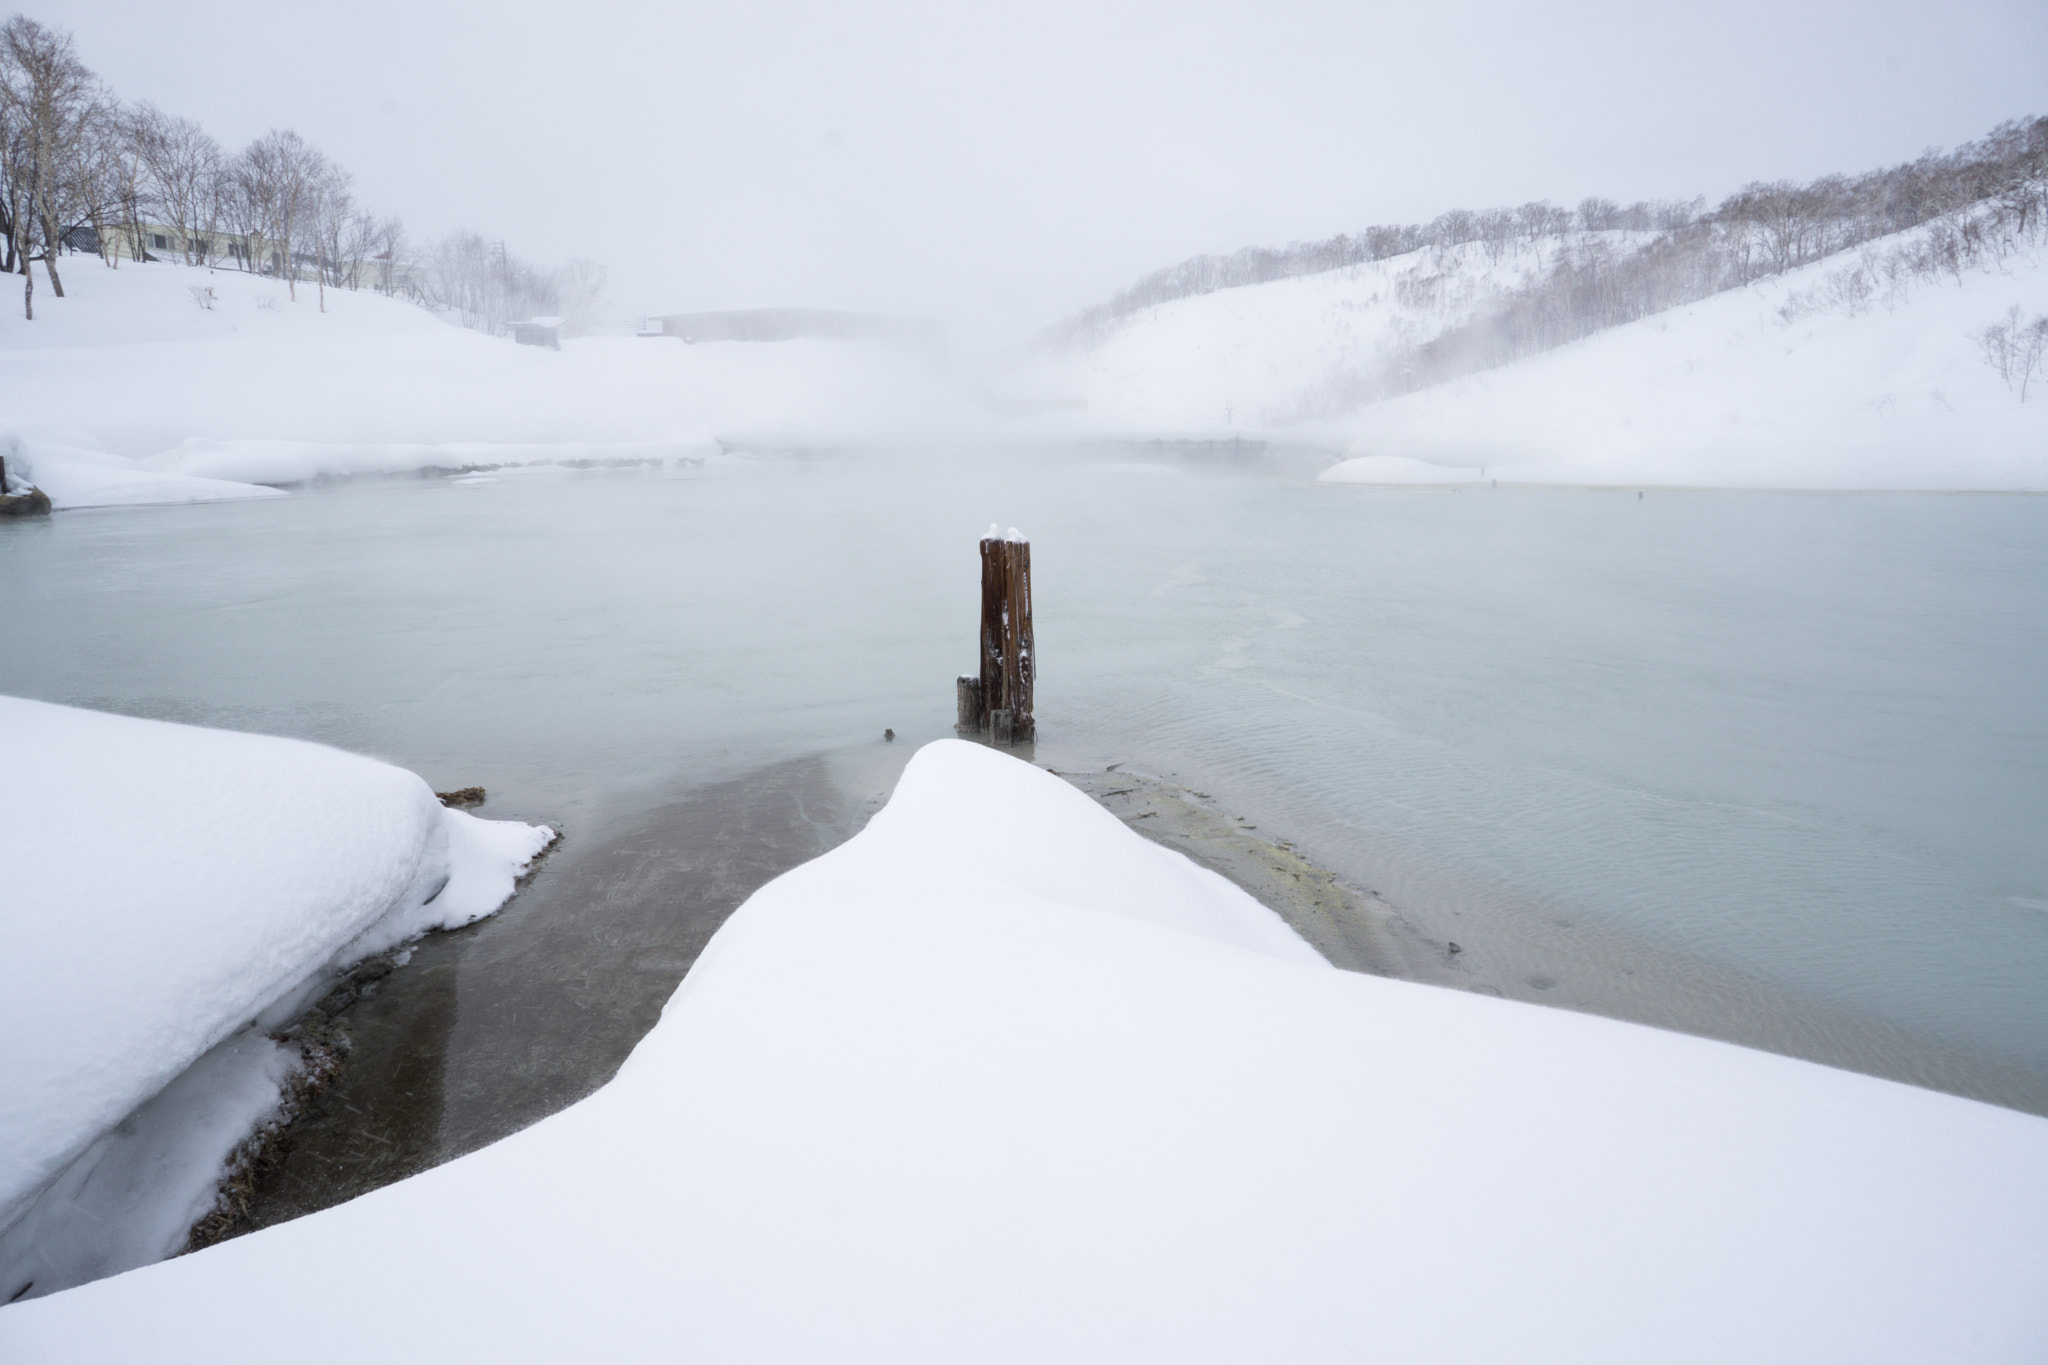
[
  {"x": 997, "y": 1080},
  {"x": 128, "y": 390},
  {"x": 175, "y": 893}
]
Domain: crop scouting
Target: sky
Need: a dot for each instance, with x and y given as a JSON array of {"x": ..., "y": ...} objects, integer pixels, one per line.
[{"x": 1001, "y": 166}]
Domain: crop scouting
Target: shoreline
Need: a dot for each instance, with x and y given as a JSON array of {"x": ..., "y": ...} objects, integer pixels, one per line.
[
  {"x": 1535, "y": 956},
  {"x": 427, "y": 1074}
]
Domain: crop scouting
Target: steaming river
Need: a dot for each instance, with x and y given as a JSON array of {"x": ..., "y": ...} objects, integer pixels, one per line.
[{"x": 1769, "y": 767}]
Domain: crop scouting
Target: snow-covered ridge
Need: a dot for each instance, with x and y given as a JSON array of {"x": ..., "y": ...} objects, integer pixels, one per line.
[
  {"x": 997, "y": 1080},
  {"x": 175, "y": 886}
]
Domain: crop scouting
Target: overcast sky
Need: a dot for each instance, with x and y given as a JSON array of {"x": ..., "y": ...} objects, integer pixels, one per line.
[{"x": 1012, "y": 163}]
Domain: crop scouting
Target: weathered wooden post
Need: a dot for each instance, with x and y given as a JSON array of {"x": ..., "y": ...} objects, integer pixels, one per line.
[
  {"x": 998, "y": 702},
  {"x": 969, "y": 689}
]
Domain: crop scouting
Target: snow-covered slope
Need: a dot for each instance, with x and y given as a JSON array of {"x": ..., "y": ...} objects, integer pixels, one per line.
[
  {"x": 130, "y": 367},
  {"x": 170, "y": 884},
  {"x": 1269, "y": 355},
  {"x": 983, "y": 1084},
  {"x": 1765, "y": 387},
  {"x": 1789, "y": 383}
]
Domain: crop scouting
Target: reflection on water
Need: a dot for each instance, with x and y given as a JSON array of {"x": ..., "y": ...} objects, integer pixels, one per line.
[{"x": 1763, "y": 766}]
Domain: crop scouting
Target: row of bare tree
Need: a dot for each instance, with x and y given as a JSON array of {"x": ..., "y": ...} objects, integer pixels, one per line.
[
  {"x": 77, "y": 165},
  {"x": 1678, "y": 251},
  {"x": 1980, "y": 203},
  {"x": 80, "y": 170}
]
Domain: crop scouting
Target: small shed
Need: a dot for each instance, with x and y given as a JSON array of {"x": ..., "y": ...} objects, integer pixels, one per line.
[{"x": 538, "y": 332}]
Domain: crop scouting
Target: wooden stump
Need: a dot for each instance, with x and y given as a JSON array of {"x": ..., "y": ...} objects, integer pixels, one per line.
[
  {"x": 1009, "y": 656},
  {"x": 969, "y": 689}
]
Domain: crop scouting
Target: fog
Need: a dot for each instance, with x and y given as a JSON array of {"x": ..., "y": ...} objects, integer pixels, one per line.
[{"x": 1008, "y": 168}]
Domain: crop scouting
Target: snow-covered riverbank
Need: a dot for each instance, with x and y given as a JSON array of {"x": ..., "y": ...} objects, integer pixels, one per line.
[
  {"x": 999, "y": 1080},
  {"x": 226, "y": 384},
  {"x": 176, "y": 893}
]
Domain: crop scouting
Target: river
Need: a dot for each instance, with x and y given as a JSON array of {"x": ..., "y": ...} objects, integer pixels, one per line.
[{"x": 1762, "y": 766}]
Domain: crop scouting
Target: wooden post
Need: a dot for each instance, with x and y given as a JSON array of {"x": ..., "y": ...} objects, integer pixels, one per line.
[
  {"x": 968, "y": 687},
  {"x": 1009, "y": 655}
]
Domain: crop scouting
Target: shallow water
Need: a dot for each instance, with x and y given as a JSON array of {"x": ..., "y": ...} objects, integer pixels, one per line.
[{"x": 1769, "y": 767}]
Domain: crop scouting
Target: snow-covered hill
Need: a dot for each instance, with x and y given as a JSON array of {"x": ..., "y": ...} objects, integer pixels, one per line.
[
  {"x": 136, "y": 387},
  {"x": 1766, "y": 387},
  {"x": 1272, "y": 355},
  {"x": 1795, "y": 382}
]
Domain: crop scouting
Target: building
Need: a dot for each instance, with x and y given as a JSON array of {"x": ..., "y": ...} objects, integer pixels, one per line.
[
  {"x": 539, "y": 332},
  {"x": 233, "y": 250}
]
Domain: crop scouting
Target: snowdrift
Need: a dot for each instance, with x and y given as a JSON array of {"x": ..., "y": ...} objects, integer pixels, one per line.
[
  {"x": 169, "y": 886},
  {"x": 1050, "y": 1093},
  {"x": 135, "y": 388}
]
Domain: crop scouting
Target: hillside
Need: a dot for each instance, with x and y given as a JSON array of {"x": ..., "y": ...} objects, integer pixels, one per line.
[
  {"x": 1267, "y": 355},
  {"x": 1790, "y": 383},
  {"x": 134, "y": 389},
  {"x": 1819, "y": 377}
]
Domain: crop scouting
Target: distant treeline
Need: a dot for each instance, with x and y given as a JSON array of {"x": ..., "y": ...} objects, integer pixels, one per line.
[
  {"x": 82, "y": 171},
  {"x": 1612, "y": 264}
]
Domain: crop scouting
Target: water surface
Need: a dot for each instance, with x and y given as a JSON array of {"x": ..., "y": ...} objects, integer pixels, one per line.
[{"x": 1769, "y": 767}]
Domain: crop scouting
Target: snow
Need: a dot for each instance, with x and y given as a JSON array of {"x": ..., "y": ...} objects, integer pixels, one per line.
[
  {"x": 171, "y": 885},
  {"x": 134, "y": 1195},
  {"x": 1269, "y": 355},
  {"x": 1730, "y": 393},
  {"x": 76, "y": 471},
  {"x": 999, "y": 1081},
  {"x": 259, "y": 389},
  {"x": 1890, "y": 392}
]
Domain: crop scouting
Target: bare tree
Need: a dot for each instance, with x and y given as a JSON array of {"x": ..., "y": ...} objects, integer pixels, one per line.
[
  {"x": 280, "y": 175},
  {"x": 51, "y": 99},
  {"x": 2015, "y": 349},
  {"x": 1598, "y": 215},
  {"x": 183, "y": 165}
]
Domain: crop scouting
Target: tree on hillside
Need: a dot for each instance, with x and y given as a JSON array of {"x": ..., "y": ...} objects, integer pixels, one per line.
[
  {"x": 281, "y": 176},
  {"x": 51, "y": 104},
  {"x": 184, "y": 167}
]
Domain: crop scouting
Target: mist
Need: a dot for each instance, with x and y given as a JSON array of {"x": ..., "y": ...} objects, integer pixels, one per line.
[
  {"x": 1001, "y": 170},
  {"x": 1080, "y": 682}
]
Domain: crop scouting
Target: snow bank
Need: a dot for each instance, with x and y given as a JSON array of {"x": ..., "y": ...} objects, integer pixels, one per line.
[
  {"x": 275, "y": 462},
  {"x": 169, "y": 884},
  {"x": 983, "y": 1084},
  {"x": 76, "y": 471},
  {"x": 256, "y": 388}
]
